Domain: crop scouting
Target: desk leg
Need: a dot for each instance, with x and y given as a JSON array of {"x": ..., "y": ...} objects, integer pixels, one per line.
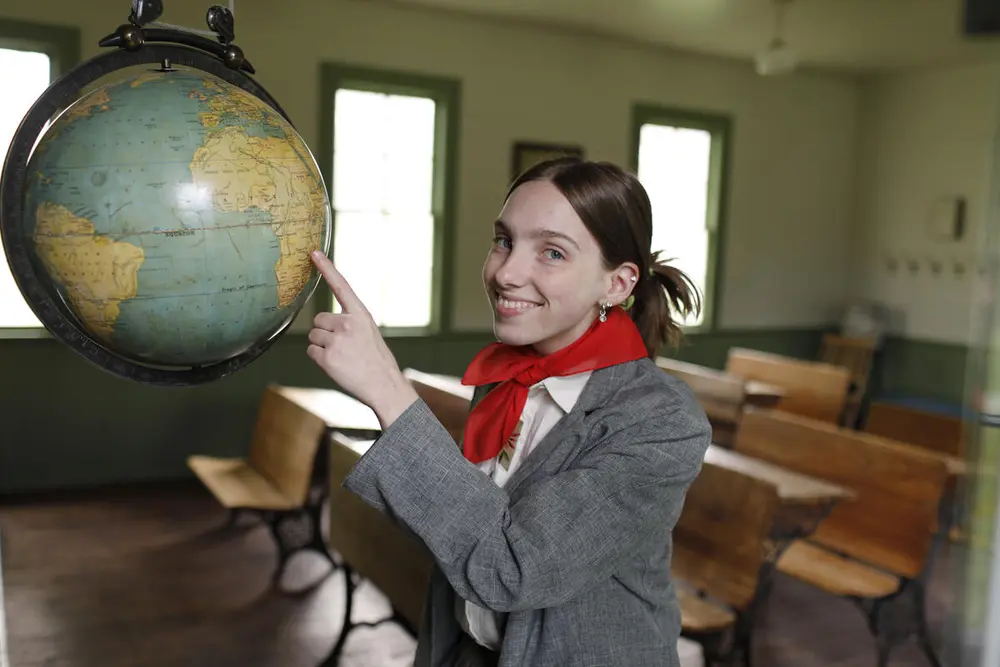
[
  {"x": 790, "y": 524},
  {"x": 299, "y": 530},
  {"x": 350, "y": 586}
]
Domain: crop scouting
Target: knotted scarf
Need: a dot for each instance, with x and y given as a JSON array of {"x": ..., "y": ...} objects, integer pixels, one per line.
[{"x": 492, "y": 421}]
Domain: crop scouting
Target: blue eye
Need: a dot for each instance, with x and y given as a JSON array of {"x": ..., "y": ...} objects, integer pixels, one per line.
[
  {"x": 554, "y": 254},
  {"x": 500, "y": 241}
]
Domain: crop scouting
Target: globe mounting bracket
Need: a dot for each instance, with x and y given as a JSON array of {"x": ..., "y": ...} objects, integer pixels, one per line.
[{"x": 141, "y": 30}]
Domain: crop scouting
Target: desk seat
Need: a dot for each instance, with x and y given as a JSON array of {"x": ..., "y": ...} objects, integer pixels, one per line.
[
  {"x": 699, "y": 615},
  {"x": 238, "y": 486},
  {"x": 835, "y": 574}
]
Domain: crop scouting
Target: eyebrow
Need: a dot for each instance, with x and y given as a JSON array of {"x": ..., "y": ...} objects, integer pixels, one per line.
[{"x": 540, "y": 233}]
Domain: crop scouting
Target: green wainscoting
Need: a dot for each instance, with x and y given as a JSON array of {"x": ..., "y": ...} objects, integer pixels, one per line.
[
  {"x": 921, "y": 368},
  {"x": 68, "y": 424}
]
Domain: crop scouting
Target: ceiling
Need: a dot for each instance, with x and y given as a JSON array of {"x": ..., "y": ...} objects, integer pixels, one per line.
[{"x": 841, "y": 34}]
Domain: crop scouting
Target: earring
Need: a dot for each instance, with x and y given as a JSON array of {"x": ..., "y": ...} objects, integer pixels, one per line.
[{"x": 604, "y": 311}]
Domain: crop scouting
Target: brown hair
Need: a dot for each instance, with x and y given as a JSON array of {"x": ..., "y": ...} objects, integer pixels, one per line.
[{"x": 616, "y": 210}]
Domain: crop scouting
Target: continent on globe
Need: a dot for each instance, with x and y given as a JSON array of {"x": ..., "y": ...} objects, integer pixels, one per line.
[
  {"x": 96, "y": 272},
  {"x": 268, "y": 174}
]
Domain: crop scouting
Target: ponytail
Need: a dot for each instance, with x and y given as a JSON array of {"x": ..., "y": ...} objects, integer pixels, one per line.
[{"x": 662, "y": 291}]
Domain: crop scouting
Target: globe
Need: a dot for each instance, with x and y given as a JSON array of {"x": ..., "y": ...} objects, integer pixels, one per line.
[{"x": 173, "y": 213}]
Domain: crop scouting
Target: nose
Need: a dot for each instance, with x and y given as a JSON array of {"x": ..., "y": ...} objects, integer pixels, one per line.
[{"x": 514, "y": 271}]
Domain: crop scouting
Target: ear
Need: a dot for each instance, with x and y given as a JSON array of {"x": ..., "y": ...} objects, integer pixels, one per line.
[{"x": 623, "y": 280}]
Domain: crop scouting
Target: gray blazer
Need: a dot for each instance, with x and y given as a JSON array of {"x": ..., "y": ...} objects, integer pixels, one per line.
[{"x": 576, "y": 547}]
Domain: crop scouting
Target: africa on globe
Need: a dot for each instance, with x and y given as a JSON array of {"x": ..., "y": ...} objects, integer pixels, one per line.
[{"x": 174, "y": 214}]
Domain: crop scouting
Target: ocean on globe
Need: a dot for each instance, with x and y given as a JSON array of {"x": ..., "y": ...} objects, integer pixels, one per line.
[{"x": 175, "y": 214}]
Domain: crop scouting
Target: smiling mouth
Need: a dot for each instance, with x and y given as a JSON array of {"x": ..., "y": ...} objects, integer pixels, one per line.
[{"x": 512, "y": 306}]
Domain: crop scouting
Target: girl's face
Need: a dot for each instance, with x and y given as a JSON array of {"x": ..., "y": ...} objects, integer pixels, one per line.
[{"x": 544, "y": 275}]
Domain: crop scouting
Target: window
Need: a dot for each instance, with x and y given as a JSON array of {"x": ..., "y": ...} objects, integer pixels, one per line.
[
  {"x": 31, "y": 57},
  {"x": 680, "y": 158},
  {"x": 391, "y": 143}
]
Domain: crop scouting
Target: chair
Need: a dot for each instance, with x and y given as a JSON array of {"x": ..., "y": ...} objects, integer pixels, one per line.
[
  {"x": 876, "y": 550},
  {"x": 275, "y": 480},
  {"x": 372, "y": 546},
  {"x": 720, "y": 554},
  {"x": 855, "y": 354},
  {"x": 812, "y": 389}
]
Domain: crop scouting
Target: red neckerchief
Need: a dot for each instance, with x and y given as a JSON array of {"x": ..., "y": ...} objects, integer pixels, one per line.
[{"x": 492, "y": 421}]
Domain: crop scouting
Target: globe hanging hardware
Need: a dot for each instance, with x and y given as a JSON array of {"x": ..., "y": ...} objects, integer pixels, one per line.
[{"x": 142, "y": 29}]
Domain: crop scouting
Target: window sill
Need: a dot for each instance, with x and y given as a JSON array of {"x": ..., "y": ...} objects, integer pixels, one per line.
[{"x": 24, "y": 333}]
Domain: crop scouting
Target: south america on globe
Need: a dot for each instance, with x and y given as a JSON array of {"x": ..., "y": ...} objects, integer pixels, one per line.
[{"x": 174, "y": 213}]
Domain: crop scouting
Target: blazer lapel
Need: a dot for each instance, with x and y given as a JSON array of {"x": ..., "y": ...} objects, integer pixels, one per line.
[{"x": 601, "y": 384}]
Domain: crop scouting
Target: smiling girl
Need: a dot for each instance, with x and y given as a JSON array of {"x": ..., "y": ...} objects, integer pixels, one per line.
[{"x": 551, "y": 524}]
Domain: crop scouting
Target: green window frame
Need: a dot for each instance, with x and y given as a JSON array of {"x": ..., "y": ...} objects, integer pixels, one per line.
[
  {"x": 446, "y": 93},
  {"x": 62, "y": 45},
  {"x": 720, "y": 128}
]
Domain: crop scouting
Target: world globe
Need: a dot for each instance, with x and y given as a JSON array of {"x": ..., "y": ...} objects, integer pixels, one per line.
[{"x": 166, "y": 221}]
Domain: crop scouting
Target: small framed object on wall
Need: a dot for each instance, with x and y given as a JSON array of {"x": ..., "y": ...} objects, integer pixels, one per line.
[{"x": 526, "y": 154}]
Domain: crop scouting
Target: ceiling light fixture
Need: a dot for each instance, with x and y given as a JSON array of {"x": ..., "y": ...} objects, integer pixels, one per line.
[{"x": 777, "y": 58}]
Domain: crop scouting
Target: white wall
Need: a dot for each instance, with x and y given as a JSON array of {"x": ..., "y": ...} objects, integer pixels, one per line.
[
  {"x": 788, "y": 251},
  {"x": 925, "y": 136}
]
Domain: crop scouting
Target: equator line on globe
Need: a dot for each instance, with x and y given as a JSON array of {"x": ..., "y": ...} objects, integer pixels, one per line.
[{"x": 162, "y": 225}]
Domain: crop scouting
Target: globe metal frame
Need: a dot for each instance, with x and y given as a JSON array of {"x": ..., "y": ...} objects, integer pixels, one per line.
[{"x": 45, "y": 301}]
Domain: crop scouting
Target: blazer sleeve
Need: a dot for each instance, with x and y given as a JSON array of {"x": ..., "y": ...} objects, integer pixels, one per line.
[{"x": 561, "y": 534}]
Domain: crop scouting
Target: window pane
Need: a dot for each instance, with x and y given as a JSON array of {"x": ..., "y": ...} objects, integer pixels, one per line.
[
  {"x": 674, "y": 169},
  {"x": 388, "y": 261},
  {"x": 355, "y": 256},
  {"x": 24, "y": 76},
  {"x": 409, "y": 154},
  {"x": 408, "y": 270},
  {"x": 357, "y": 151},
  {"x": 383, "y": 152},
  {"x": 383, "y": 188}
]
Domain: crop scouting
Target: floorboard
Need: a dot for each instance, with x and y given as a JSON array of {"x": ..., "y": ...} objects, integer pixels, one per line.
[{"x": 146, "y": 577}]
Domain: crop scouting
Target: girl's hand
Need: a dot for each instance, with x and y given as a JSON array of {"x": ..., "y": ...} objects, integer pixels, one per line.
[{"x": 350, "y": 349}]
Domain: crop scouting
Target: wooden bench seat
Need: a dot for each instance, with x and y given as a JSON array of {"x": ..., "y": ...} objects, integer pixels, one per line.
[
  {"x": 702, "y": 616},
  {"x": 876, "y": 549},
  {"x": 236, "y": 485},
  {"x": 836, "y": 574},
  {"x": 276, "y": 479}
]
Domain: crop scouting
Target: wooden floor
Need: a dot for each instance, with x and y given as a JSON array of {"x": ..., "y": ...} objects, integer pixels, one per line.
[{"x": 145, "y": 578}]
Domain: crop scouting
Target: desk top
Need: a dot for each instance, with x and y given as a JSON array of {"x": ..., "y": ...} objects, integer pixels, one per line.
[
  {"x": 758, "y": 392},
  {"x": 336, "y": 408},
  {"x": 453, "y": 384},
  {"x": 792, "y": 486},
  {"x": 359, "y": 447},
  {"x": 446, "y": 383}
]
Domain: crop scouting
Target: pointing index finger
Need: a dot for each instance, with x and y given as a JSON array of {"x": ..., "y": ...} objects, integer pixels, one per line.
[{"x": 348, "y": 300}]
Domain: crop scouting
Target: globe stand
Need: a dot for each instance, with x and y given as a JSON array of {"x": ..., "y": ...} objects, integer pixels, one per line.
[
  {"x": 132, "y": 35},
  {"x": 135, "y": 46}
]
